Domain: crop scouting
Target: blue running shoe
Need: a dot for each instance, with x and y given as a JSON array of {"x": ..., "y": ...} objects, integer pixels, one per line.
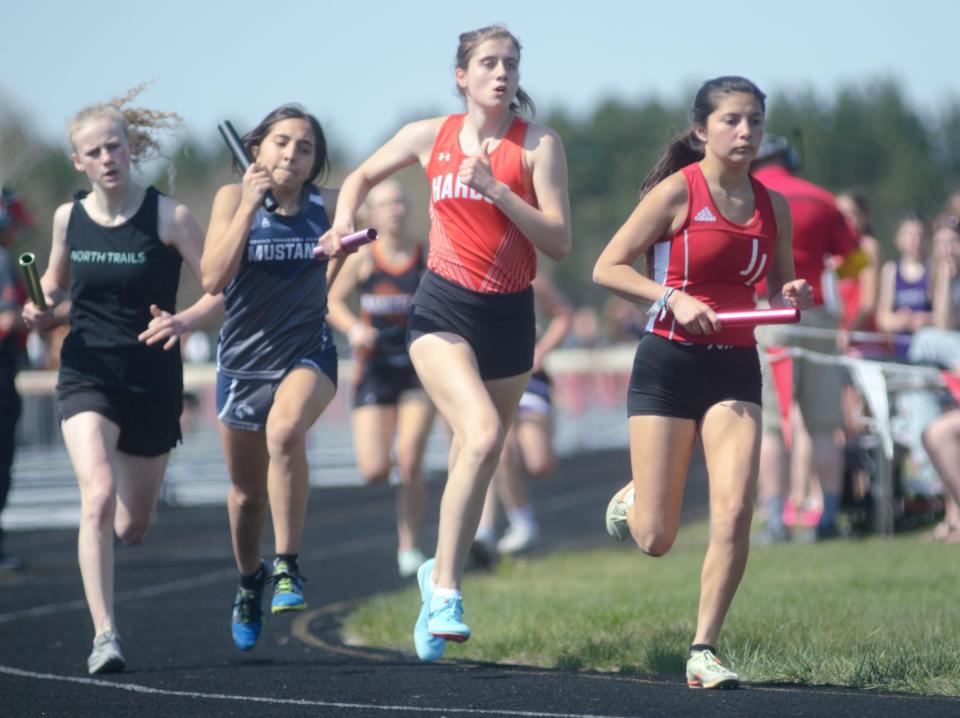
[
  {"x": 247, "y": 620},
  {"x": 446, "y": 619},
  {"x": 429, "y": 647},
  {"x": 287, "y": 589}
]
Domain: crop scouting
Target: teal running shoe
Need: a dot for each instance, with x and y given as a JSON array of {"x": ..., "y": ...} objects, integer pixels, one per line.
[
  {"x": 287, "y": 588},
  {"x": 429, "y": 647},
  {"x": 446, "y": 619},
  {"x": 247, "y": 620}
]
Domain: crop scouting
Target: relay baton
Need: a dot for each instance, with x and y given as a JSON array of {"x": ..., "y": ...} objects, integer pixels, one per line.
[
  {"x": 350, "y": 242},
  {"x": 240, "y": 154},
  {"x": 752, "y": 317},
  {"x": 28, "y": 263}
]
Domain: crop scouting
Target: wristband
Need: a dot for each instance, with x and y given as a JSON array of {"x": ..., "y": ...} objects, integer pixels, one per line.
[{"x": 664, "y": 298}]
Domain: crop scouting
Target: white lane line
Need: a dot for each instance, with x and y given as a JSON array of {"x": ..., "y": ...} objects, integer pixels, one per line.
[
  {"x": 184, "y": 584},
  {"x": 137, "y": 688}
]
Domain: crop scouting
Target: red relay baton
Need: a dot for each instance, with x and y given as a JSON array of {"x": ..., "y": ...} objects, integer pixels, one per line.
[
  {"x": 753, "y": 317},
  {"x": 350, "y": 242}
]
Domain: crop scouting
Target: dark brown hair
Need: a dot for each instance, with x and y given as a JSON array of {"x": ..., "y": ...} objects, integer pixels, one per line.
[{"x": 292, "y": 111}]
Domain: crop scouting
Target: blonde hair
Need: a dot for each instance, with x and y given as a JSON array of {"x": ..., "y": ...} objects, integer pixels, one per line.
[{"x": 139, "y": 123}]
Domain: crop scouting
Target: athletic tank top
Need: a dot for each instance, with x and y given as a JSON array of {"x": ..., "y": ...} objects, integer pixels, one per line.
[
  {"x": 275, "y": 306},
  {"x": 911, "y": 295},
  {"x": 116, "y": 273},
  {"x": 385, "y": 298},
  {"x": 715, "y": 260},
  {"x": 472, "y": 243},
  {"x": 13, "y": 295}
]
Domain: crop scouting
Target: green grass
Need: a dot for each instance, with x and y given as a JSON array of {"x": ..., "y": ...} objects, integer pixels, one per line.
[{"x": 867, "y": 614}]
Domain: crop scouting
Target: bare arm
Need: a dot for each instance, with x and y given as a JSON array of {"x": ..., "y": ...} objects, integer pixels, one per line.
[
  {"x": 55, "y": 281},
  {"x": 944, "y": 310},
  {"x": 551, "y": 302},
  {"x": 548, "y": 225},
  {"x": 887, "y": 319},
  {"x": 410, "y": 145},
  {"x": 234, "y": 208},
  {"x": 783, "y": 287},
  {"x": 869, "y": 279},
  {"x": 660, "y": 212},
  {"x": 180, "y": 230}
]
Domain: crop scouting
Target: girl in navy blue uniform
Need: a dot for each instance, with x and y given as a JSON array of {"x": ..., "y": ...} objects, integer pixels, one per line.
[
  {"x": 712, "y": 232},
  {"x": 389, "y": 402},
  {"x": 276, "y": 362},
  {"x": 116, "y": 256}
]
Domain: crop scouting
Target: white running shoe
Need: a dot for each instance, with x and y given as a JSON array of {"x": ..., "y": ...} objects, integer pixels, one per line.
[
  {"x": 704, "y": 670},
  {"x": 107, "y": 654},
  {"x": 408, "y": 561},
  {"x": 616, "y": 517},
  {"x": 519, "y": 537}
]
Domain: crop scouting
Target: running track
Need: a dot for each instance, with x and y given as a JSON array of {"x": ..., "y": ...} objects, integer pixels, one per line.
[{"x": 173, "y": 606}]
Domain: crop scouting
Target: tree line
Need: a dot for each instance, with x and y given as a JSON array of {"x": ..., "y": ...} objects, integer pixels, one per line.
[{"x": 867, "y": 136}]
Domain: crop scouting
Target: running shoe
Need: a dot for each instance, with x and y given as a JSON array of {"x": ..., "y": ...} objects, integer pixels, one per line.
[
  {"x": 704, "y": 670},
  {"x": 287, "y": 589},
  {"x": 617, "y": 509},
  {"x": 107, "y": 654},
  {"x": 429, "y": 647},
  {"x": 446, "y": 619},
  {"x": 247, "y": 619},
  {"x": 409, "y": 560},
  {"x": 482, "y": 555},
  {"x": 518, "y": 538}
]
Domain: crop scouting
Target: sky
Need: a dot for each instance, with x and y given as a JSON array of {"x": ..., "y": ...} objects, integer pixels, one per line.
[{"x": 365, "y": 68}]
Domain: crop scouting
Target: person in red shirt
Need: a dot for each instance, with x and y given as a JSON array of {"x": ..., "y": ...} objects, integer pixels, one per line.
[
  {"x": 710, "y": 232},
  {"x": 820, "y": 232},
  {"x": 13, "y": 295},
  {"x": 498, "y": 192}
]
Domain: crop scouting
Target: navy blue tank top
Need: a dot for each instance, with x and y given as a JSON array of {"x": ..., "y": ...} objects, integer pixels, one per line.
[
  {"x": 275, "y": 306},
  {"x": 116, "y": 273},
  {"x": 385, "y": 298}
]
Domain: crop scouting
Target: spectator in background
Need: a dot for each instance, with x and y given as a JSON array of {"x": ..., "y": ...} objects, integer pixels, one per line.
[
  {"x": 904, "y": 304},
  {"x": 941, "y": 438},
  {"x": 820, "y": 232},
  {"x": 585, "y": 331},
  {"x": 12, "y": 344},
  {"x": 859, "y": 275}
]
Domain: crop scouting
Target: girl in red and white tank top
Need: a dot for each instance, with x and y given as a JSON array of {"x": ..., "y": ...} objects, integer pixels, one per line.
[
  {"x": 498, "y": 193},
  {"x": 711, "y": 233},
  {"x": 714, "y": 259}
]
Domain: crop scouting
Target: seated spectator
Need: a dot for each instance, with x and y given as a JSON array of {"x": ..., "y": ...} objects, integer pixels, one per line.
[{"x": 942, "y": 441}]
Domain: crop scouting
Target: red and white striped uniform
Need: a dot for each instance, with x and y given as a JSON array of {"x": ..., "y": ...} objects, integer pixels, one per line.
[
  {"x": 715, "y": 260},
  {"x": 472, "y": 243}
]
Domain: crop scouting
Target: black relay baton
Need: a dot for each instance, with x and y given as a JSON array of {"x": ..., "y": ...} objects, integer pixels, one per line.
[
  {"x": 232, "y": 139},
  {"x": 28, "y": 263}
]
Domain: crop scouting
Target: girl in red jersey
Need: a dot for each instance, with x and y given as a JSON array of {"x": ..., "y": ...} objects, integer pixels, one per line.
[
  {"x": 498, "y": 192},
  {"x": 711, "y": 232}
]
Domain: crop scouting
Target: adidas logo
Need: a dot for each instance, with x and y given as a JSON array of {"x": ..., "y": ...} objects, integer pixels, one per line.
[{"x": 705, "y": 215}]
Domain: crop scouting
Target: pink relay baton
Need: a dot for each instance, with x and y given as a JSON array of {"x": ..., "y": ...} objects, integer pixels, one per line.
[
  {"x": 752, "y": 317},
  {"x": 351, "y": 241}
]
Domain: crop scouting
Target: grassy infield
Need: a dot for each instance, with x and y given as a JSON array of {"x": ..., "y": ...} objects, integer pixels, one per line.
[{"x": 847, "y": 613}]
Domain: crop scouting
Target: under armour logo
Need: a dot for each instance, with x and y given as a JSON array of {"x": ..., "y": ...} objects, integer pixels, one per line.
[
  {"x": 705, "y": 215},
  {"x": 444, "y": 157}
]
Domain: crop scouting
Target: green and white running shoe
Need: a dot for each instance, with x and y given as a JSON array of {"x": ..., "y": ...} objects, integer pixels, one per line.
[
  {"x": 616, "y": 517},
  {"x": 704, "y": 670}
]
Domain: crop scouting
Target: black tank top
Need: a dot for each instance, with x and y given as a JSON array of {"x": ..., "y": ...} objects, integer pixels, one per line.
[
  {"x": 116, "y": 273},
  {"x": 385, "y": 298}
]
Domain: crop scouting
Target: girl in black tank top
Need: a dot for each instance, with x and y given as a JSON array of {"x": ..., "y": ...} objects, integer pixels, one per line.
[
  {"x": 387, "y": 391},
  {"x": 116, "y": 256}
]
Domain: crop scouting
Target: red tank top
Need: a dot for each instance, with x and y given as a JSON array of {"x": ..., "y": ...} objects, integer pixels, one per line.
[
  {"x": 472, "y": 243},
  {"x": 715, "y": 260}
]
